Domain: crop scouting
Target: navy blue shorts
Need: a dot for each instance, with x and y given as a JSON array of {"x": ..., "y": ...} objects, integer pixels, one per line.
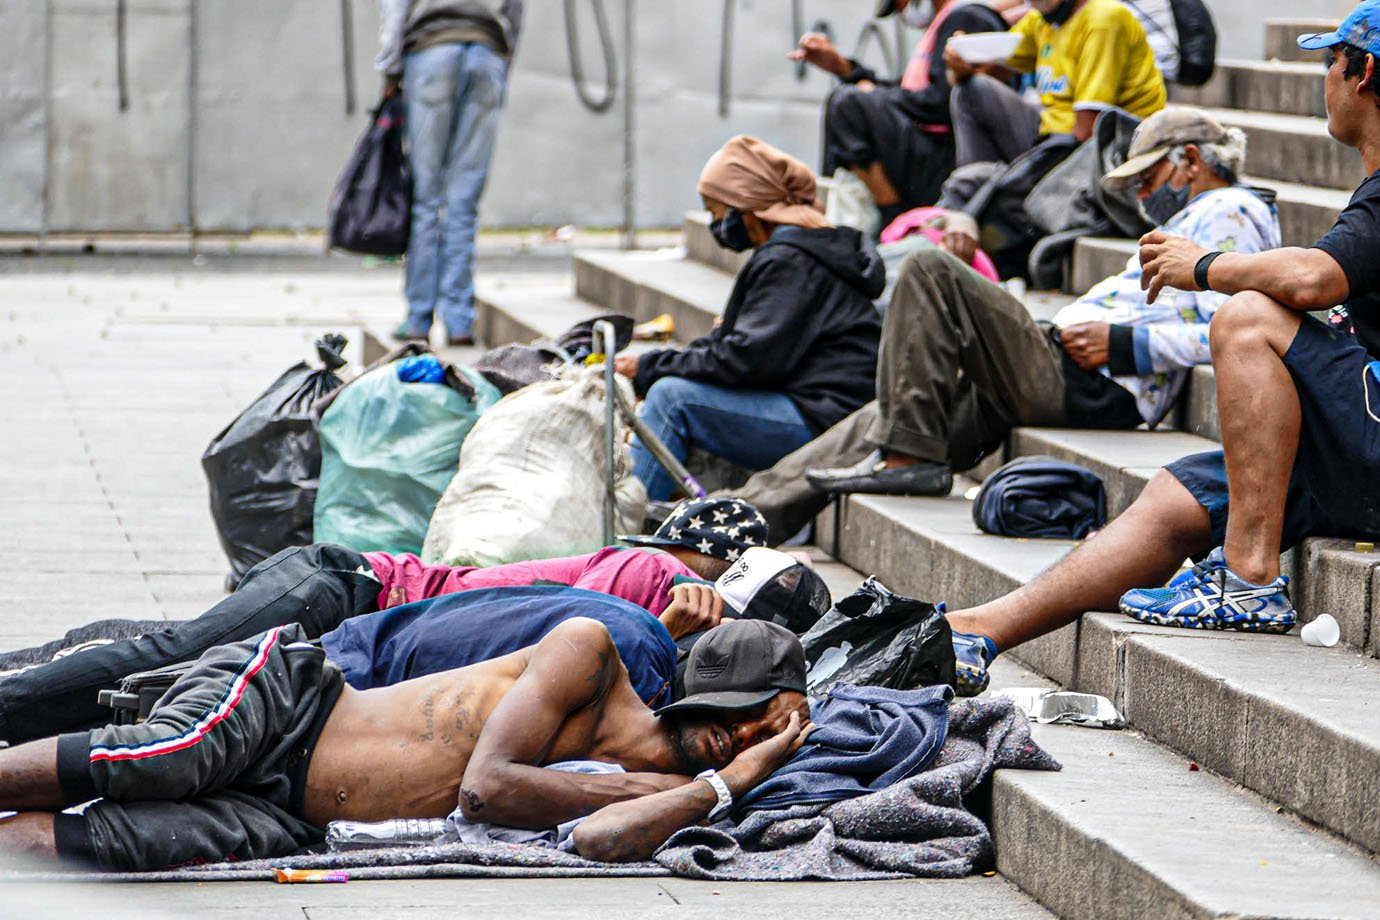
[{"x": 1334, "y": 489}]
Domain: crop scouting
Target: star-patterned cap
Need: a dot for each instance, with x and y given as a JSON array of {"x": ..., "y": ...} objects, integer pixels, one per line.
[{"x": 718, "y": 527}]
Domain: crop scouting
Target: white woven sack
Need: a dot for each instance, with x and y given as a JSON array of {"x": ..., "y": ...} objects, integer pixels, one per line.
[{"x": 531, "y": 479}]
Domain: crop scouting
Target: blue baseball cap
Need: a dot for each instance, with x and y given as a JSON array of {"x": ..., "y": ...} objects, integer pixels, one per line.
[{"x": 1360, "y": 29}]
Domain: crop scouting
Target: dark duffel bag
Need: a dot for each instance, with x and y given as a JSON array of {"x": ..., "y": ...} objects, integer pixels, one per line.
[{"x": 1041, "y": 497}]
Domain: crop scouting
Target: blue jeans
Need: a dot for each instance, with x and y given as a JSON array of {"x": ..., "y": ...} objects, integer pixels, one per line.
[
  {"x": 454, "y": 95},
  {"x": 751, "y": 428}
]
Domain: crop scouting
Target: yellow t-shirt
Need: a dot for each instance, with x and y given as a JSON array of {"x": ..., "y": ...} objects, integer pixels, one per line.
[{"x": 1096, "y": 60}]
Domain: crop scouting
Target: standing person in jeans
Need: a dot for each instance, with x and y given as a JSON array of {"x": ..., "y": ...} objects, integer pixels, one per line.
[
  {"x": 797, "y": 348},
  {"x": 452, "y": 57}
]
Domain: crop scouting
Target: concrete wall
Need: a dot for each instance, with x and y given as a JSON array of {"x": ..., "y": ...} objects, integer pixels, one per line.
[
  {"x": 1239, "y": 33},
  {"x": 232, "y": 115}
]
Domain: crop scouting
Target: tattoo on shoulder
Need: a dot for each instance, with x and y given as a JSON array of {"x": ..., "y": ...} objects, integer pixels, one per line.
[{"x": 600, "y": 676}]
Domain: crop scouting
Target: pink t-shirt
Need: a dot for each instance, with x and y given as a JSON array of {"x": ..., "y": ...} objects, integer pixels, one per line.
[{"x": 641, "y": 576}]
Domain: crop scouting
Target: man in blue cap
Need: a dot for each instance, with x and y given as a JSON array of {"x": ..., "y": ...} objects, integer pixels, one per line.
[
  {"x": 1300, "y": 413},
  {"x": 1300, "y": 431}
]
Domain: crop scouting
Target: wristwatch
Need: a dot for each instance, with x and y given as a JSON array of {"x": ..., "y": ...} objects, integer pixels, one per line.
[{"x": 720, "y": 810}]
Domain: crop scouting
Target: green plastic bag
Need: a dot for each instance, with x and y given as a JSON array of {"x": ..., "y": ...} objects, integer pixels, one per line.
[{"x": 388, "y": 450}]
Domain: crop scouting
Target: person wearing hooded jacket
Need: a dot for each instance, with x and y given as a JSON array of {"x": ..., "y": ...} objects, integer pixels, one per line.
[{"x": 796, "y": 350}]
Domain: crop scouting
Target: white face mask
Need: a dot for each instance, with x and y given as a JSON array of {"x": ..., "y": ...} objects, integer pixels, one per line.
[{"x": 918, "y": 14}]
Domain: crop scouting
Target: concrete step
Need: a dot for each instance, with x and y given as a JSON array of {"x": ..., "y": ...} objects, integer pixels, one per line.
[
  {"x": 1295, "y": 148},
  {"x": 1089, "y": 845},
  {"x": 1281, "y": 38},
  {"x": 1197, "y": 411},
  {"x": 1125, "y": 460},
  {"x": 1306, "y": 212},
  {"x": 700, "y": 245},
  {"x": 1330, "y": 575},
  {"x": 521, "y": 310},
  {"x": 1098, "y": 257},
  {"x": 1297, "y": 724},
  {"x": 645, "y": 284},
  {"x": 1261, "y": 86}
]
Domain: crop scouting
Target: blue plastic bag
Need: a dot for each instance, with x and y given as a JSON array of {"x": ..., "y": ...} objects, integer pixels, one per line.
[{"x": 388, "y": 450}]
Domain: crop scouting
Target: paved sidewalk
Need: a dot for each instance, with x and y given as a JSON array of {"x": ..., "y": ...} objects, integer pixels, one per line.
[{"x": 114, "y": 375}]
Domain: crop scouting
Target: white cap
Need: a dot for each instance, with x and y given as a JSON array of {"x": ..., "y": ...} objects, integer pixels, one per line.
[{"x": 755, "y": 568}]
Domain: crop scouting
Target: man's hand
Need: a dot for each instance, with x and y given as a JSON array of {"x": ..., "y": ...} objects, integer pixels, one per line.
[
  {"x": 693, "y": 608},
  {"x": 1167, "y": 261},
  {"x": 629, "y": 830},
  {"x": 750, "y": 768},
  {"x": 391, "y": 83},
  {"x": 1086, "y": 344},
  {"x": 815, "y": 48},
  {"x": 959, "y": 69},
  {"x": 960, "y": 236},
  {"x": 625, "y": 365}
]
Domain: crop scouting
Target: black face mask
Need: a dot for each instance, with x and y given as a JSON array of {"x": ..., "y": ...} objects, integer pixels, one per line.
[
  {"x": 730, "y": 232},
  {"x": 1061, "y": 13}
]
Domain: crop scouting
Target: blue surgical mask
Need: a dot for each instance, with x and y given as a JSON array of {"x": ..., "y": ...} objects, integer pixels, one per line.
[
  {"x": 918, "y": 14},
  {"x": 730, "y": 232},
  {"x": 1160, "y": 206}
]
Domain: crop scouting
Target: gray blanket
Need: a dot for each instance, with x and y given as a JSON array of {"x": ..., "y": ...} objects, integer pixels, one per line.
[{"x": 917, "y": 828}]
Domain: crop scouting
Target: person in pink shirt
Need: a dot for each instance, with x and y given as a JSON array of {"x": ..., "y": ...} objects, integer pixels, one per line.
[{"x": 322, "y": 585}]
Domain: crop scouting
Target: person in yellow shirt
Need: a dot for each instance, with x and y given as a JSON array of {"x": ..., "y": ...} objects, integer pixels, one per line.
[{"x": 1086, "y": 56}]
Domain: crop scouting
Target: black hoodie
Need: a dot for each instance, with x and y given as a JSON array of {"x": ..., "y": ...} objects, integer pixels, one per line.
[{"x": 800, "y": 321}]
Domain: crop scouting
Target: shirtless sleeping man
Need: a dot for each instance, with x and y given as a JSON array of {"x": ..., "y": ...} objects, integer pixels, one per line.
[{"x": 261, "y": 744}]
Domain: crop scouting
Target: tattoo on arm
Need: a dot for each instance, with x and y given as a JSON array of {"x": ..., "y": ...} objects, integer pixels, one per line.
[{"x": 600, "y": 677}]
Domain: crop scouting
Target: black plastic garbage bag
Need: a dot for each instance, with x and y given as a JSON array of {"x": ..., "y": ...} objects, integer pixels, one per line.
[
  {"x": 579, "y": 342},
  {"x": 1041, "y": 497},
  {"x": 370, "y": 209},
  {"x": 874, "y": 637},
  {"x": 262, "y": 469}
]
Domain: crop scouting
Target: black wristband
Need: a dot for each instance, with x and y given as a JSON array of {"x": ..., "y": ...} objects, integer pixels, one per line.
[{"x": 1200, "y": 271}]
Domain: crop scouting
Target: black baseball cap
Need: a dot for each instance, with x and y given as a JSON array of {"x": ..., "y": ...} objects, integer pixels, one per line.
[
  {"x": 718, "y": 527},
  {"x": 739, "y": 665},
  {"x": 885, "y": 8}
]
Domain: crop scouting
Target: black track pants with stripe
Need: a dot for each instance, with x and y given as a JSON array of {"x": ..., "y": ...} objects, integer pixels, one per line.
[{"x": 209, "y": 776}]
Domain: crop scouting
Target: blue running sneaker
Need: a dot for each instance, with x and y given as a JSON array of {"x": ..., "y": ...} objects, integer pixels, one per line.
[
  {"x": 1212, "y": 596},
  {"x": 972, "y": 655}
]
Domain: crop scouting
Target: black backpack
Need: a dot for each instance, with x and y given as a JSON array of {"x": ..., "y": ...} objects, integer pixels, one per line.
[{"x": 1196, "y": 40}]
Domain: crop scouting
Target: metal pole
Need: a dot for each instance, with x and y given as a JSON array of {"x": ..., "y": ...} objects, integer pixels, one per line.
[
  {"x": 603, "y": 331},
  {"x": 193, "y": 92},
  {"x": 347, "y": 53},
  {"x": 658, "y": 449},
  {"x": 629, "y": 145}
]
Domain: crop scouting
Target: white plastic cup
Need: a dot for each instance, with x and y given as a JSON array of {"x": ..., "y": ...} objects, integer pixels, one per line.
[{"x": 1321, "y": 632}]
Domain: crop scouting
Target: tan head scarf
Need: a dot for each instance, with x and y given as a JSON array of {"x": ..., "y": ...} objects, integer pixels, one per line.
[{"x": 754, "y": 176}]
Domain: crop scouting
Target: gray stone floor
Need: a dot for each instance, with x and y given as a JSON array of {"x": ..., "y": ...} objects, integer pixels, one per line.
[{"x": 114, "y": 375}]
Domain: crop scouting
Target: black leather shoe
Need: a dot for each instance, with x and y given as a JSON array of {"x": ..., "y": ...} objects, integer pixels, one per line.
[{"x": 872, "y": 476}]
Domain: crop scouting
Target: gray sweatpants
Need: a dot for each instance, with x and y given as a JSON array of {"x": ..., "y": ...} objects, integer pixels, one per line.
[{"x": 218, "y": 769}]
